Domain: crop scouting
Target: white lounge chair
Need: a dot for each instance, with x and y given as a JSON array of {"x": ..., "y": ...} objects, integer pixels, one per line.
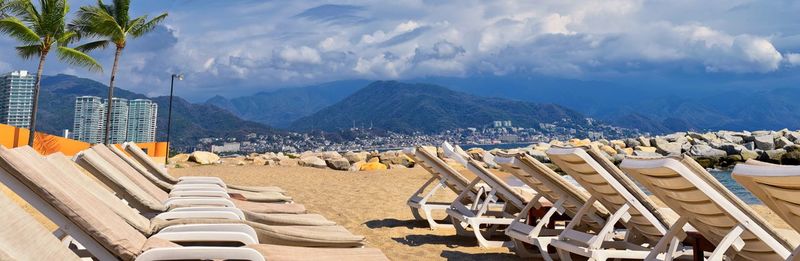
[
  {"x": 567, "y": 199},
  {"x": 645, "y": 224}
]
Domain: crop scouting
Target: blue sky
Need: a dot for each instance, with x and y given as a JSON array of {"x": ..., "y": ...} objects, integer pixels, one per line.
[{"x": 237, "y": 47}]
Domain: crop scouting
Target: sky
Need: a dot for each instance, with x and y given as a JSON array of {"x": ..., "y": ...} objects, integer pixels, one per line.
[{"x": 233, "y": 48}]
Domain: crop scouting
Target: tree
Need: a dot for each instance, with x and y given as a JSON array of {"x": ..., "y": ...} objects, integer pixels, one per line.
[
  {"x": 42, "y": 29},
  {"x": 113, "y": 24}
]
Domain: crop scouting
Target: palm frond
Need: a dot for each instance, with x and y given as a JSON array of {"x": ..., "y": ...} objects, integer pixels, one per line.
[
  {"x": 96, "y": 21},
  {"x": 121, "y": 9},
  {"x": 91, "y": 46},
  {"x": 75, "y": 57},
  {"x": 67, "y": 37},
  {"x": 147, "y": 27},
  {"x": 17, "y": 30},
  {"x": 29, "y": 51}
]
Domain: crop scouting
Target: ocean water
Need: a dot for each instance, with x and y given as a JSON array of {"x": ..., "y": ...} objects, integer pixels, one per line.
[{"x": 724, "y": 177}]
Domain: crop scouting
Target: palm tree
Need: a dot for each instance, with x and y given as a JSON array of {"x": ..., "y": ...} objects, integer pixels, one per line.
[
  {"x": 42, "y": 29},
  {"x": 112, "y": 22}
]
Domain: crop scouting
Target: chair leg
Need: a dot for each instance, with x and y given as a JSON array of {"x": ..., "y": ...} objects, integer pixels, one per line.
[
  {"x": 564, "y": 255},
  {"x": 482, "y": 241},
  {"x": 461, "y": 228},
  {"x": 432, "y": 222},
  {"x": 415, "y": 213}
]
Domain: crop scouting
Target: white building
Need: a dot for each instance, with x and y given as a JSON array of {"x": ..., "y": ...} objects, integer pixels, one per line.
[
  {"x": 16, "y": 98},
  {"x": 142, "y": 114},
  {"x": 119, "y": 120},
  {"x": 89, "y": 123}
]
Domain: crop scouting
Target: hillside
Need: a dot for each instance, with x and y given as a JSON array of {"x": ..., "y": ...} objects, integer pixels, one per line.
[
  {"x": 190, "y": 121},
  {"x": 407, "y": 107},
  {"x": 281, "y": 107}
]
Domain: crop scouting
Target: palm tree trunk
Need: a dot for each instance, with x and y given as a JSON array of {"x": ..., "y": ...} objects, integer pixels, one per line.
[
  {"x": 35, "y": 109},
  {"x": 111, "y": 95}
]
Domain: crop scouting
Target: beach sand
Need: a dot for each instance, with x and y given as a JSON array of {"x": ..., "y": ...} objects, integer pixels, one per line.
[{"x": 372, "y": 204}]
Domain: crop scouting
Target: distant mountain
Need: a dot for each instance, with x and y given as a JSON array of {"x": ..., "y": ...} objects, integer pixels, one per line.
[
  {"x": 407, "y": 107},
  {"x": 189, "y": 121},
  {"x": 281, "y": 107}
]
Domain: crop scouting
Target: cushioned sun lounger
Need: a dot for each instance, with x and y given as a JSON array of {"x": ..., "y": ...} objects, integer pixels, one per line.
[
  {"x": 159, "y": 171},
  {"x": 148, "y": 198},
  {"x": 568, "y": 200},
  {"x": 443, "y": 176},
  {"x": 106, "y": 236},
  {"x": 476, "y": 218},
  {"x": 645, "y": 224},
  {"x": 725, "y": 220}
]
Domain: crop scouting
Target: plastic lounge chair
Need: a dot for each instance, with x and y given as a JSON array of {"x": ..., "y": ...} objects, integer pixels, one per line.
[{"x": 721, "y": 217}]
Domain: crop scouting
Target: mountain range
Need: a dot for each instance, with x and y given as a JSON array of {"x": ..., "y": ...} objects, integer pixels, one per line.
[
  {"x": 190, "y": 121},
  {"x": 407, "y": 107}
]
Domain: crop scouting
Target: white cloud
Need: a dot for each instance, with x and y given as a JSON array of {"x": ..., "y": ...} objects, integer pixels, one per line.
[
  {"x": 793, "y": 59},
  {"x": 303, "y": 54}
]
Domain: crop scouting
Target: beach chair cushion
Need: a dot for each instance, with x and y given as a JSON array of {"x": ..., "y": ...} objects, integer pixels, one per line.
[{"x": 23, "y": 238}]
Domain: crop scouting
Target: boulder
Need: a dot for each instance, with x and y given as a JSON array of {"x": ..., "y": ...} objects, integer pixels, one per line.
[
  {"x": 675, "y": 137},
  {"x": 728, "y": 137},
  {"x": 259, "y": 161},
  {"x": 645, "y": 153},
  {"x": 782, "y": 142},
  {"x": 665, "y": 147},
  {"x": 630, "y": 143},
  {"x": 791, "y": 158},
  {"x": 748, "y": 154},
  {"x": 356, "y": 166},
  {"x": 793, "y": 135},
  {"x": 312, "y": 161},
  {"x": 706, "y": 151},
  {"x": 338, "y": 164},
  {"x": 764, "y": 142},
  {"x": 625, "y": 151},
  {"x": 371, "y": 166},
  {"x": 396, "y": 157},
  {"x": 617, "y": 144},
  {"x": 288, "y": 162},
  {"x": 179, "y": 158},
  {"x": 539, "y": 155},
  {"x": 578, "y": 142},
  {"x": 772, "y": 156},
  {"x": 330, "y": 155},
  {"x": 749, "y": 145},
  {"x": 609, "y": 150},
  {"x": 355, "y": 156},
  {"x": 645, "y": 149},
  {"x": 732, "y": 149},
  {"x": 204, "y": 157},
  {"x": 475, "y": 153},
  {"x": 702, "y": 136}
]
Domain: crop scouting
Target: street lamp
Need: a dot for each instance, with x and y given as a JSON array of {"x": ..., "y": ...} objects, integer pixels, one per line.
[{"x": 169, "y": 116}]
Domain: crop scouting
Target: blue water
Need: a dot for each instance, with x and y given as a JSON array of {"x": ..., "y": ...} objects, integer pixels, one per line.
[{"x": 724, "y": 177}]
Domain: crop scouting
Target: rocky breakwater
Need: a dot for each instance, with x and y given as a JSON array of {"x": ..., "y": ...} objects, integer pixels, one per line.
[
  {"x": 720, "y": 149},
  {"x": 347, "y": 161}
]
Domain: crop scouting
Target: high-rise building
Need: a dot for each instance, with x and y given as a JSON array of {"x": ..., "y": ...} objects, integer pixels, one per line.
[
  {"x": 16, "y": 98},
  {"x": 119, "y": 120},
  {"x": 89, "y": 124},
  {"x": 142, "y": 120},
  {"x": 133, "y": 120}
]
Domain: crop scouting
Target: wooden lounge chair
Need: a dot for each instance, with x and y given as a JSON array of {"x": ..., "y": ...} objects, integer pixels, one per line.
[
  {"x": 737, "y": 231},
  {"x": 568, "y": 200},
  {"x": 476, "y": 218},
  {"x": 159, "y": 171},
  {"x": 443, "y": 176},
  {"x": 106, "y": 236},
  {"x": 644, "y": 223}
]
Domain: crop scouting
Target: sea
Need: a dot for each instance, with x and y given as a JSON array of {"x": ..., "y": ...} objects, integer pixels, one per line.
[{"x": 724, "y": 176}]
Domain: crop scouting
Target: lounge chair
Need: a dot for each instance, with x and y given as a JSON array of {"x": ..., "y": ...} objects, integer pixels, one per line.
[
  {"x": 568, "y": 200},
  {"x": 106, "y": 236},
  {"x": 141, "y": 157},
  {"x": 476, "y": 218},
  {"x": 150, "y": 199},
  {"x": 732, "y": 226},
  {"x": 132, "y": 168},
  {"x": 443, "y": 176},
  {"x": 645, "y": 224}
]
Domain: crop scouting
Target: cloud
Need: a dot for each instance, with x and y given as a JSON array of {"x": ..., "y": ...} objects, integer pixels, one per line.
[{"x": 793, "y": 59}]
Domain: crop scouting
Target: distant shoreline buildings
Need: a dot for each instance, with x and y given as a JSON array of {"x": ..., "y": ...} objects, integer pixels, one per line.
[{"x": 133, "y": 120}]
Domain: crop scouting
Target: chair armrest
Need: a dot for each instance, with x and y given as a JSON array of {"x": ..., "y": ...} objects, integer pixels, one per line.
[
  {"x": 193, "y": 201},
  {"x": 198, "y": 193},
  {"x": 236, "y": 211},
  {"x": 198, "y": 187},
  {"x": 228, "y": 227},
  {"x": 206, "y": 236},
  {"x": 201, "y": 253},
  {"x": 170, "y": 215}
]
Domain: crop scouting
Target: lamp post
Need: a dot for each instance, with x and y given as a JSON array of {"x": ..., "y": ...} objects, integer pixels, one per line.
[{"x": 169, "y": 115}]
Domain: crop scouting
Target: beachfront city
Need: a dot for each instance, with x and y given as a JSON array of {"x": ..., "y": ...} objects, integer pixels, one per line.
[{"x": 404, "y": 130}]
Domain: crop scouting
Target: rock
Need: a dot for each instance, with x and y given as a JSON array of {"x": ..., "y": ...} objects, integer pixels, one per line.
[
  {"x": 625, "y": 151},
  {"x": 761, "y": 133},
  {"x": 748, "y": 154},
  {"x": 618, "y": 144},
  {"x": 793, "y": 136},
  {"x": 749, "y": 145},
  {"x": 617, "y": 159},
  {"x": 609, "y": 150},
  {"x": 675, "y": 137},
  {"x": 396, "y": 157},
  {"x": 732, "y": 149},
  {"x": 772, "y": 156},
  {"x": 356, "y": 166},
  {"x": 645, "y": 149},
  {"x": 204, "y": 157},
  {"x": 475, "y": 153},
  {"x": 374, "y": 159},
  {"x": 645, "y": 142},
  {"x": 704, "y": 136},
  {"x": 260, "y": 161},
  {"x": 338, "y": 164},
  {"x": 371, "y": 166},
  {"x": 539, "y": 155},
  {"x": 726, "y": 136},
  {"x": 179, "y": 158},
  {"x": 706, "y": 151},
  {"x": 330, "y": 155},
  {"x": 312, "y": 161},
  {"x": 782, "y": 142},
  {"x": 791, "y": 158},
  {"x": 355, "y": 156},
  {"x": 578, "y": 143},
  {"x": 630, "y": 143},
  {"x": 288, "y": 162},
  {"x": 764, "y": 142},
  {"x": 645, "y": 153},
  {"x": 664, "y": 147}
]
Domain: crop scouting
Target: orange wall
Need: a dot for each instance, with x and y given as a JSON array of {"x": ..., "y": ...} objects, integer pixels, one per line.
[{"x": 12, "y": 137}]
